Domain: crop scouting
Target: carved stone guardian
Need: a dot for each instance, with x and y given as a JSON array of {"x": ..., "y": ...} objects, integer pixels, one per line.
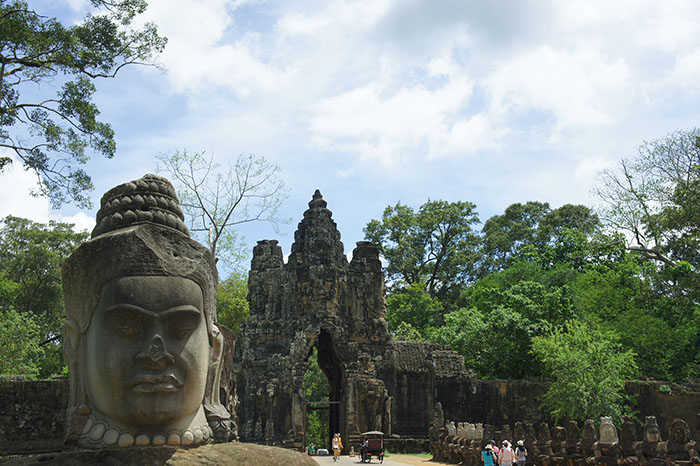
[
  {"x": 649, "y": 450},
  {"x": 143, "y": 348},
  {"x": 607, "y": 449},
  {"x": 680, "y": 449}
]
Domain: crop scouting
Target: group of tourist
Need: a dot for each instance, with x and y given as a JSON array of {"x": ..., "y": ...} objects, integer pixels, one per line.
[
  {"x": 505, "y": 456},
  {"x": 471, "y": 445}
]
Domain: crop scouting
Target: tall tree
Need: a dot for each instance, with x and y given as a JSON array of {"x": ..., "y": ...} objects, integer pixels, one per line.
[
  {"x": 31, "y": 256},
  {"x": 216, "y": 200},
  {"x": 504, "y": 235},
  {"x": 51, "y": 134},
  {"x": 534, "y": 226},
  {"x": 435, "y": 246},
  {"x": 654, "y": 196}
]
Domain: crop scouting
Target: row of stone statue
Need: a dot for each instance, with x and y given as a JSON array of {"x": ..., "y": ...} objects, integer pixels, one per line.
[{"x": 570, "y": 446}]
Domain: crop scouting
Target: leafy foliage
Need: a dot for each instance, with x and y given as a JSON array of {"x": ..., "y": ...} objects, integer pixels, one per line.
[
  {"x": 435, "y": 246},
  {"x": 316, "y": 388},
  {"x": 507, "y": 310},
  {"x": 19, "y": 343},
  {"x": 413, "y": 306},
  {"x": 52, "y": 135},
  {"x": 31, "y": 256},
  {"x": 406, "y": 332},
  {"x": 232, "y": 306},
  {"x": 534, "y": 227},
  {"x": 590, "y": 369}
]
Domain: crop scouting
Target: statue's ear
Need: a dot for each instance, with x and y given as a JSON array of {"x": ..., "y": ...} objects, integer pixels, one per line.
[
  {"x": 217, "y": 347},
  {"x": 77, "y": 411}
]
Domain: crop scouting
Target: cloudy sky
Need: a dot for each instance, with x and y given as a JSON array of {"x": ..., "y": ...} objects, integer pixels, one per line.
[{"x": 379, "y": 101}]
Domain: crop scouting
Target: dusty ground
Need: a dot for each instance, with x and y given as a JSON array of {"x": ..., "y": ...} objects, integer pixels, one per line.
[{"x": 392, "y": 460}]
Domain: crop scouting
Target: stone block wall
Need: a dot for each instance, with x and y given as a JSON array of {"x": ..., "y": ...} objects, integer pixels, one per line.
[
  {"x": 33, "y": 414},
  {"x": 32, "y": 418}
]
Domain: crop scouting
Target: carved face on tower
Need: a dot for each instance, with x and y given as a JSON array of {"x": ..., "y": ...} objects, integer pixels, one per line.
[{"x": 142, "y": 344}]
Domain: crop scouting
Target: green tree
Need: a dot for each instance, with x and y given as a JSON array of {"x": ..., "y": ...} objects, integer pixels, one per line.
[
  {"x": 435, "y": 246},
  {"x": 506, "y": 311},
  {"x": 31, "y": 256},
  {"x": 412, "y": 305},
  {"x": 316, "y": 388},
  {"x": 19, "y": 343},
  {"x": 51, "y": 134},
  {"x": 406, "y": 332},
  {"x": 505, "y": 235},
  {"x": 590, "y": 368},
  {"x": 216, "y": 199},
  {"x": 232, "y": 306},
  {"x": 653, "y": 197},
  {"x": 558, "y": 235}
]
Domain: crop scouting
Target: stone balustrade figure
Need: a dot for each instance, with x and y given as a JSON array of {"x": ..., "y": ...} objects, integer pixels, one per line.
[
  {"x": 573, "y": 444},
  {"x": 648, "y": 451},
  {"x": 559, "y": 446},
  {"x": 679, "y": 448},
  {"x": 530, "y": 441},
  {"x": 588, "y": 438},
  {"x": 627, "y": 442},
  {"x": 141, "y": 341},
  {"x": 607, "y": 448},
  {"x": 543, "y": 446}
]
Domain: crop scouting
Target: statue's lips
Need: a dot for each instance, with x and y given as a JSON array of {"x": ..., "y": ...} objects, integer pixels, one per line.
[{"x": 154, "y": 383}]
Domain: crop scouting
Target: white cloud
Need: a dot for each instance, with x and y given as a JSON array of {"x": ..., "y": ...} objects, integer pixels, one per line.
[
  {"x": 15, "y": 199},
  {"x": 14, "y": 194},
  {"x": 574, "y": 85},
  {"x": 207, "y": 48}
]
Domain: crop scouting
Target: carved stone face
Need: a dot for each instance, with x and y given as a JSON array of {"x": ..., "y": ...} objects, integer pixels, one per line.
[
  {"x": 147, "y": 351},
  {"x": 608, "y": 432},
  {"x": 651, "y": 430}
]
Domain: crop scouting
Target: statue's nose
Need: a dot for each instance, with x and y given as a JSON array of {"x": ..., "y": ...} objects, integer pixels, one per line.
[{"x": 156, "y": 356}]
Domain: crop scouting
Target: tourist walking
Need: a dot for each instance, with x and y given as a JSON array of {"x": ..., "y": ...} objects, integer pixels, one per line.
[
  {"x": 506, "y": 456},
  {"x": 488, "y": 456},
  {"x": 337, "y": 446},
  {"x": 520, "y": 453}
]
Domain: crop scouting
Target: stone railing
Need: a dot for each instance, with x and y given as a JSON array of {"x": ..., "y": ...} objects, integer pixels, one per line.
[{"x": 569, "y": 446}]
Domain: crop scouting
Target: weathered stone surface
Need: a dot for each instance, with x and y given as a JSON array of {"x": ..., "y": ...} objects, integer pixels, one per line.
[
  {"x": 141, "y": 341},
  {"x": 206, "y": 455},
  {"x": 319, "y": 299},
  {"x": 33, "y": 419},
  {"x": 561, "y": 446}
]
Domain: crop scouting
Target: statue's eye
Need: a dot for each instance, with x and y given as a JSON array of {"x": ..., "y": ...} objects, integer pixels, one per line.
[
  {"x": 127, "y": 324},
  {"x": 183, "y": 332},
  {"x": 127, "y": 331},
  {"x": 181, "y": 327}
]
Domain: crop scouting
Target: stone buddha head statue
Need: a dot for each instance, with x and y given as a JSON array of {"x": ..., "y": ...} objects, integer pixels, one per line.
[{"x": 141, "y": 341}]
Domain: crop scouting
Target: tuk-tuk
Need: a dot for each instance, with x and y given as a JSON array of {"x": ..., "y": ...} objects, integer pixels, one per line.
[{"x": 372, "y": 446}]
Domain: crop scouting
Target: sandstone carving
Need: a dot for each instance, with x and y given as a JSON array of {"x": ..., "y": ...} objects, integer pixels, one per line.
[
  {"x": 318, "y": 300},
  {"x": 561, "y": 446},
  {"x": 141, "y": 340}
]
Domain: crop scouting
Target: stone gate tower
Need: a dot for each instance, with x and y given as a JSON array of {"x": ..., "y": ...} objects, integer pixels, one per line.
[{"x": 319, "y": 299}]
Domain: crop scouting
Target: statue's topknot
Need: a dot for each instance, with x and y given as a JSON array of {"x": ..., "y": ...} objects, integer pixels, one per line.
[{"x": 148, "y": 199}]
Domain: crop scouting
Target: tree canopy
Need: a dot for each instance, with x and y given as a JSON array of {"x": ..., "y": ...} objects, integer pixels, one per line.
[
  {"x": 31, "y": 256},
  {"x": 435, "y": 246},
  {"x": 53, "y": 134}
]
